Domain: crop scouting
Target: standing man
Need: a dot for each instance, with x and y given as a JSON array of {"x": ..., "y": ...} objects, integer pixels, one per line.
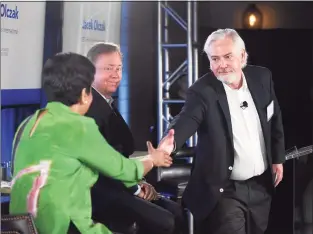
[
  {"x": 113, "y": 204},
  {"x": 240, "y": 151}
]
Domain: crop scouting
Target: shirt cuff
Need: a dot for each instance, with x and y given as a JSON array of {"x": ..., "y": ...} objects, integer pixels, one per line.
[{"x": 138, "y": 190}]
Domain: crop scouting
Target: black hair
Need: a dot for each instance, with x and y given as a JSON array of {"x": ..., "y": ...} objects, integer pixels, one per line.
[{"x": 65, "y": 75}]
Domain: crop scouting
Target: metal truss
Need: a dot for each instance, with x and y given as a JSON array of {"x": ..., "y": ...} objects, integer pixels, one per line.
[{"x": 168, "y": 75}]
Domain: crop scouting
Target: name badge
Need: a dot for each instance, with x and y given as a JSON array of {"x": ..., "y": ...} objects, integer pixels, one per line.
[{"x": 270, "y": 111}]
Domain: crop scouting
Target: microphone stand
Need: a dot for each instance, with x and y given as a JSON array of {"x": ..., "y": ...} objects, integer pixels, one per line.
[
  {"x": 299, "y": 153},
  {"x": 296, "y": 154}
]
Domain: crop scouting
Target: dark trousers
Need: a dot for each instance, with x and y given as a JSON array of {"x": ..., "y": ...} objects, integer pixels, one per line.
[
  {"x": 117, "y": 208},
  {"x": 243, "y": 208}
]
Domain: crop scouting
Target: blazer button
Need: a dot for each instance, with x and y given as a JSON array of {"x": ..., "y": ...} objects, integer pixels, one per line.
[
  {"x": 221, "y": 190},
  {"x": 230, "y": 168}
]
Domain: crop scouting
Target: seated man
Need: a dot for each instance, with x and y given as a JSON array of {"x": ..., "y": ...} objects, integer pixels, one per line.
[
  {"x": 139, "y": 205},
  {"x": 54, "y": 167}
]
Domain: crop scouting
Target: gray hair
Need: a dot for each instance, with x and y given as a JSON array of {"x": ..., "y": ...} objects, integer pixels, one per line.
[
  {"x": 223, "y": 33},
  {"x": 102, "y": 48}
]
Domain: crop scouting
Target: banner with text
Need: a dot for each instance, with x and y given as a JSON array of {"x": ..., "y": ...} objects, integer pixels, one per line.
[
  {"x": 22, "y": 37},
  {"x": 86, "y": 23}
]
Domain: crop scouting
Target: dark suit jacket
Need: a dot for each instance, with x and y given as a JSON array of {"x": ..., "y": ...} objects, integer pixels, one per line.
[
  {"x": 114, "y": 129},
  {"x": 206, "y": 112},
  {"x": 111, "y": 124}
]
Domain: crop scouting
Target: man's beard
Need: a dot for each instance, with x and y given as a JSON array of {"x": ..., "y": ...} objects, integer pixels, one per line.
[{"x": 227, "y": 79}]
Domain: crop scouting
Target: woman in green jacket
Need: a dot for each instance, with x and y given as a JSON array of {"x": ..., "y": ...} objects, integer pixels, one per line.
[{"x": 58, "y": 157}]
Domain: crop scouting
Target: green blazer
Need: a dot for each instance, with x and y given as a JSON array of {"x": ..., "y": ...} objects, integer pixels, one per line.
[{"x": 55, "y": 168}]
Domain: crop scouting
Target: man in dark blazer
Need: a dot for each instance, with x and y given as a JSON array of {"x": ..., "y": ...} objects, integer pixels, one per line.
[
  {"x": 113, "y": 203},
  {"x": 240, "y": 147}
]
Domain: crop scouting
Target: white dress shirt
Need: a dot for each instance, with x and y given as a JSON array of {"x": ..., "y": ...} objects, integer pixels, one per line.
[{"x": 250, "y": 156}]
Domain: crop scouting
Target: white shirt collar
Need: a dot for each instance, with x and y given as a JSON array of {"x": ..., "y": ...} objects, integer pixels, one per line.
[{"x": 109, "y": 100}]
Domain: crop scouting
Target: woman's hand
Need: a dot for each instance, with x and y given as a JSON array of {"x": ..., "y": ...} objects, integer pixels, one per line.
[{"x": 159, "y": 158}]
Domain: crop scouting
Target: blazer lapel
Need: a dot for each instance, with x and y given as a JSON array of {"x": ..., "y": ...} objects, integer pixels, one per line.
[
  {"x": 222, "y": 99},
  {"x": 101, "y": 101},
  {"x": 259, "y": 95}
]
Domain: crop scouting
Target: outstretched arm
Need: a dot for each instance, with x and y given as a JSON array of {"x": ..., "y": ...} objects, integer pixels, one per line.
[
  {"x": 186, "y": 123},
  {"x": 99, "y": 155}
]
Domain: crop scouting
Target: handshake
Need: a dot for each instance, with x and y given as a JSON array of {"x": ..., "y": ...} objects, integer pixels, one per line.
[{"x": 160, "y": 157}]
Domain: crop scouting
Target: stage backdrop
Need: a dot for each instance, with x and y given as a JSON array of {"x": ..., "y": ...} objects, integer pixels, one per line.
[
  {"x": 22, "y": 36},
  {"x": 89, "y": 23}
]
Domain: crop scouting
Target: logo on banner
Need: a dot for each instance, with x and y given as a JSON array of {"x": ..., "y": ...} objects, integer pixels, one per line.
[
  {"x": 8, "y": 12},
  {"x": 94, "y": 25}
]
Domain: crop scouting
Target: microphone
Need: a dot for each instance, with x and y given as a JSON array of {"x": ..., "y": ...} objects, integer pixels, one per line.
[{"x": 244, "y": 105}]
